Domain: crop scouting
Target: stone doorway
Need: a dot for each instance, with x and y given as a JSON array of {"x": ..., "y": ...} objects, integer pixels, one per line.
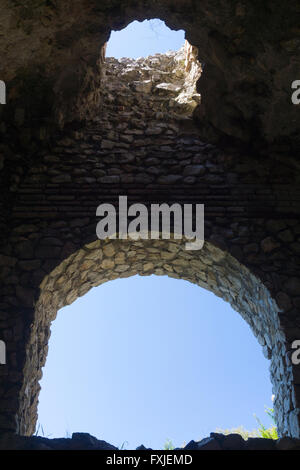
[{"x": 56, "y": 171}]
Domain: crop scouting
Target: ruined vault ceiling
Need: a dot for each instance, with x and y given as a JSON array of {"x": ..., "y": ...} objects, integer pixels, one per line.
[{"x": 50, "y": 56}]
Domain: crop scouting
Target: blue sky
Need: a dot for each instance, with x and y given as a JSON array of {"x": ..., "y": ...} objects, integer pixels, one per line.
[
  {"x": 146, "y": 359},
  {"x": 141, "y": 39}
]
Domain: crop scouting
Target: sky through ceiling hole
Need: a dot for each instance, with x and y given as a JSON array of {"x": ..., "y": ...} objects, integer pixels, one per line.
[{"x": 140, "y": 39}]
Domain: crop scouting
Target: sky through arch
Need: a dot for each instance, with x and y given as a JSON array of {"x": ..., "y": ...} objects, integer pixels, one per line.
[{"x": 144, "y": 359}]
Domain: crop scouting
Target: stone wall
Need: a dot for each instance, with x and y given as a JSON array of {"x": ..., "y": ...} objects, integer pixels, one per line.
[{"x": 144, "y": 143}]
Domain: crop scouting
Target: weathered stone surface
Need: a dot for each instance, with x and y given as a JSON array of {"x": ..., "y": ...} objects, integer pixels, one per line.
[
  {"x": 284, "y": 301},
  {"x": 208, "y": 443},
  {"x": 258, "y": 443},
  {"x": 144, "y": 86},
  {"x": 269, "y": 244},
  {"x": 293, "y": 286},
  {"x": 79, "y": 441},
  {"x": 287, "y": 443},
  {"x": 233, "y": 442},
  {"x": 192, "y": 445},
  {"x": 84, "y": 441},
  {"x": 194, "y": 170}
]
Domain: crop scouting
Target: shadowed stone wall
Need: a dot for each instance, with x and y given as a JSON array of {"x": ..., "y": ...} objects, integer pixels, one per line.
[
  {"x": 143, "y": 139},
  {"x": 84, "y": 441},
  {"x": 250, "y": 51}
]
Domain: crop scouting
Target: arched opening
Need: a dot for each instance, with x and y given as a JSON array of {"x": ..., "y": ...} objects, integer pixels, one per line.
[
  {"x": 96, "y": 164},
  {"x": 250, "y": 202},
  {"x": 155, "y": 65},
  {"x": 149, "y": 73},
  {"x": 101, "y": 261},
  {"x": 147, "y": 359}
]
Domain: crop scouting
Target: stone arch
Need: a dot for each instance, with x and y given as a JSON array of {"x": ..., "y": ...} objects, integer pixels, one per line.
[
  {"x": 100, "y": 261},
  {"x": 251, "y": 199},
  {"x": 250, "y": 215}
]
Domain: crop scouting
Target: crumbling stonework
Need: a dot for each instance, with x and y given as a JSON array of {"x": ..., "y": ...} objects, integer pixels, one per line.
[
  {"x": 250, "y": 51},
  {"x": 165, "y": 83},
  {"x": 84, "y": 441},
  {"x": 135, "y": 131}
]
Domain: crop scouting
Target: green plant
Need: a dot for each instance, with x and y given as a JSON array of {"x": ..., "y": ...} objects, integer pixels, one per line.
[
  {"x": 271, "y": 432},
  {"x": 122, "y": 446},
  {"x": 262, "y": 431},
  {"x": 169, "y": 445},
  {"x": 39, "y": 426},
  {"x": 241, "y": 431},
  {"x": 270, "y": 412},
  {"x": 40, "y": 431}
]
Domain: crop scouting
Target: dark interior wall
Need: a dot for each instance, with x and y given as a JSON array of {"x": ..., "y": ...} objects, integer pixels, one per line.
[
  {"x": 250, "y": 256},
  {"x": 53, "y": 70}
]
